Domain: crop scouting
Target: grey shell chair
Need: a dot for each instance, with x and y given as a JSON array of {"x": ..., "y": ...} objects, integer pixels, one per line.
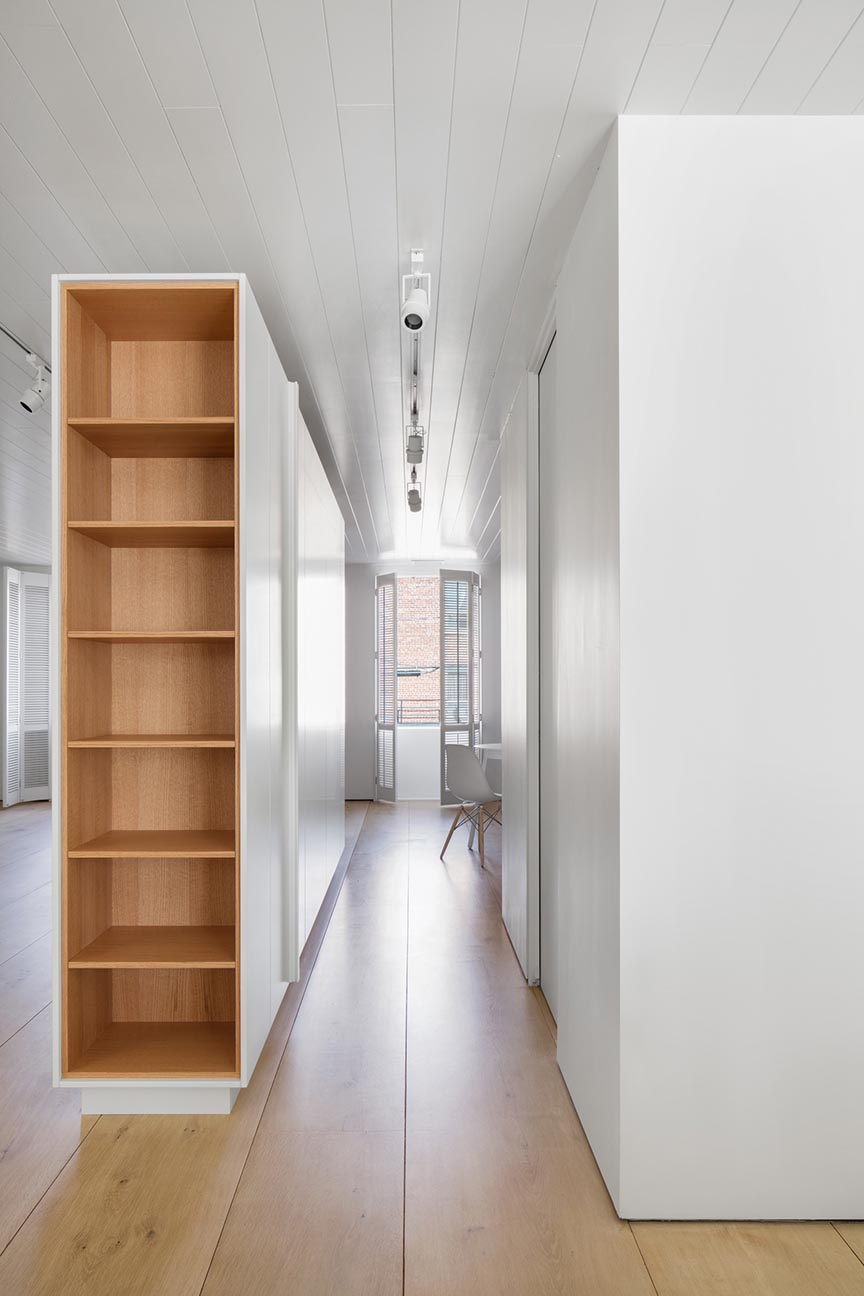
[{"x": 467, "y": 780}]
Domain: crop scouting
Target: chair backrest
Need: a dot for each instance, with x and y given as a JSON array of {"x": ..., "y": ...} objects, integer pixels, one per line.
[{"x": 465, "y": 777}]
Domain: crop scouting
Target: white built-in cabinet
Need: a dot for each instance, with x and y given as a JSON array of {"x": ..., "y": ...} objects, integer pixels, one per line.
[{"x": 188, "y": 554}]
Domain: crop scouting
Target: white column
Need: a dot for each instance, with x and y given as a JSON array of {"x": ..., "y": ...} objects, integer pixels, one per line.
[{"x": 712, "y": 914}]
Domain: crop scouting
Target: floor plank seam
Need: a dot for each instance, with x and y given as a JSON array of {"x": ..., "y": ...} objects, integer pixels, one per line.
[
  {"x": 49, "y": 1186},
  {"x": 644, "y": 1261},
  {"x": 17, "y": 899},
  {"x": 405, "y": 1071},
  {"x": 846, "y": 1241},
  {"x": 23, "y": 1025},
  {"x": 41, "y": 936},
  {"x": 281, "y": 1059}
]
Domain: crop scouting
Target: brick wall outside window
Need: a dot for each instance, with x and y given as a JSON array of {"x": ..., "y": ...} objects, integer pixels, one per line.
[{"x": 417, "y": 609}]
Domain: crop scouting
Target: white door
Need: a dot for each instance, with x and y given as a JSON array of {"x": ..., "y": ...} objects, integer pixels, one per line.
[
  {"x": 461, "y": 663},
  {"x": 550, "y": 862},
  {"x": 26, "y": 692},
  {"x": 385, "y": 688}
]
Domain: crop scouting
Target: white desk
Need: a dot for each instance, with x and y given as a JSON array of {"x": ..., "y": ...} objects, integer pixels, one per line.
[{"x": 486, "y": 750}]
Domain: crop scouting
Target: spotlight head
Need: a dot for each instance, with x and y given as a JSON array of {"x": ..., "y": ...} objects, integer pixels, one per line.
[
  {"x": 414, "y": 503},
  {"x": 415, "y": 310},
  {"x": 36, "y": 395},
  {"x": 414, "y": 451}
]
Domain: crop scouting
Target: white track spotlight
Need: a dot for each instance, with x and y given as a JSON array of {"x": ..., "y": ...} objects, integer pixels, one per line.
[
  {"x": 416, "y": 291},
  {"x": 36, "y": 395},
  {"x": 415, "y": 310},
  {"x": 414, "y": 452}
]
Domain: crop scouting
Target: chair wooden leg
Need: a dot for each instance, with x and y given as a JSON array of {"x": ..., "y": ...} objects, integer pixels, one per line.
[
  {"x": 480, "y": 836},
  {"x": 453, "y": 828},
  {"x": 493, "y": 812}
]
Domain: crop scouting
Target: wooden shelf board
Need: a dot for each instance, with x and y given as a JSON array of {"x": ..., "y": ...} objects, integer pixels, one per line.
[
  {"x": 159, "y": 947},
  {"x": 180, "y": 438},
  {"x": 158, "y": 844},
  {"x": 158, "y": 535},
  {"x": 167, "y": 1050},
  {"x": 152, "y": 636},
  {"x": 155, "y": 740}
]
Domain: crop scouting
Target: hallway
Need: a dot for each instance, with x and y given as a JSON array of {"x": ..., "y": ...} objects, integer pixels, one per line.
[{"x": 414, "y": 1135}]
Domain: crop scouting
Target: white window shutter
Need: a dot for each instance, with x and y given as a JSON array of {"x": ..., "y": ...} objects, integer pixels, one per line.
[
  {"x": 35, "y": 715},
  {"x": 460, "y": 666},
  {"x": 26, "y": 687},
  {"x": 476, "y": 663},
  {"x": 385, "y": 688},
  {"x": 12, "y": 687}
]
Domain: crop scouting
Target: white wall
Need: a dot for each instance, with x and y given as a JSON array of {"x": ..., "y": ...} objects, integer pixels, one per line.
[
  {"x": 519, "y": 701},
  {"x": 584, "y": 570},
  {"x": 320, "y": 679},
  {"x": 742, "y": 402},
  {"x": 359, "y": 681},
  {"x": 267, "y": 429},
  {"x": 720, "y": 504},
  {"x": 418, "y": 763}
]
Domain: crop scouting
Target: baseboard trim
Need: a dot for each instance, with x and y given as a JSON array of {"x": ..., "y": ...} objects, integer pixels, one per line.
[{"x": 164, "y": 1100}]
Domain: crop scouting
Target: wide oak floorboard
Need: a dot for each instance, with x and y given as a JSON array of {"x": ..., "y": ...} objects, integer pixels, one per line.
[
  {"x": 717, "y": 1259},
  {"x": 415, "y": 1135}
]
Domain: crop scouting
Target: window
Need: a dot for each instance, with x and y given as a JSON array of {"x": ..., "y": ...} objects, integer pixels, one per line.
[{"x": 418, "y": 684}]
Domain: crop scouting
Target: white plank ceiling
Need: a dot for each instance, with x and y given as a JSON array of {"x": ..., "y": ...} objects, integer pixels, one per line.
[{"x": 312, "y": 144}]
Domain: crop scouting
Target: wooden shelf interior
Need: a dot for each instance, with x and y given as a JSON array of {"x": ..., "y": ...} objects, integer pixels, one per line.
[
  {"x": 149, "y": 351},
  {"x": 149, "y": 697},
  {"x": 131, "y": 1022},
  {"x": 163, "y": 485},
  {"x": 150, "y": 688},
  {"x": 144, "y": 588},
  {"x": 158, "y": 1050},
  {"x": 144, "y": 788}
]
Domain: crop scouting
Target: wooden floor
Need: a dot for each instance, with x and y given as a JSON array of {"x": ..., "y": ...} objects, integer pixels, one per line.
[{"x": 412, "y": 1135}]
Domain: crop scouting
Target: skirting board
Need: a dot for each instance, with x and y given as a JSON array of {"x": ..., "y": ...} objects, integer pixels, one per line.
[{"x": 148, "y": 1100}]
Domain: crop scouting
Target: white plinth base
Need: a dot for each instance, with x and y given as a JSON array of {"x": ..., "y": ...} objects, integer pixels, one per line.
[{"x": 152, "y": 1101}]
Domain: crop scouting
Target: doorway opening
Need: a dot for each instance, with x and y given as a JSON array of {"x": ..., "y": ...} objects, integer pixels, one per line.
[
  {"x": 418, "y": 687},
  {"x": 428, "y": 681}
]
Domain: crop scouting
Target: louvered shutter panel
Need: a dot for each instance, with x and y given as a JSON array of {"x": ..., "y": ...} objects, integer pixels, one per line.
[
  {"x": 476, "y": 663},
  {"x": 385, "y": 688},
  {"x": 460, "y": 666},
  {"x": 12, "y": 688},
  {"x": 35, "y": 697}
]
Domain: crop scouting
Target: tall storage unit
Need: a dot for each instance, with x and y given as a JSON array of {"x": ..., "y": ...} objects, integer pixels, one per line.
[{"x": 175, "y": 434}]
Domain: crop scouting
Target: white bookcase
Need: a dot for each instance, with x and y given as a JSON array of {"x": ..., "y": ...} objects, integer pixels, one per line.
[{"x": 181, "y": 531}]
